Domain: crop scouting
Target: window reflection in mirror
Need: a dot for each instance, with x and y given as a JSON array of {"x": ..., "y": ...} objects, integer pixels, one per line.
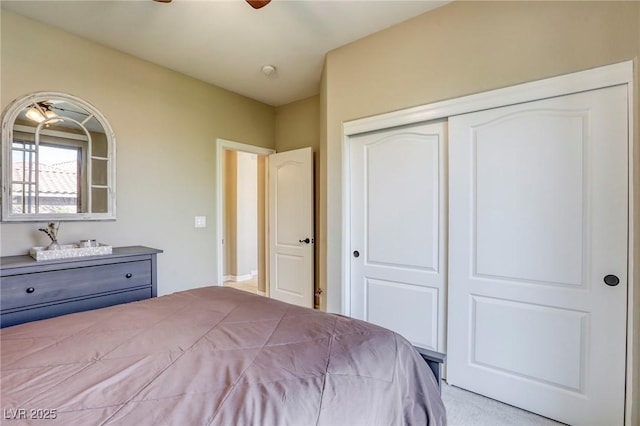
[
  {"x": 59, "y": 173},
  {"x": 60, "y": 157}
]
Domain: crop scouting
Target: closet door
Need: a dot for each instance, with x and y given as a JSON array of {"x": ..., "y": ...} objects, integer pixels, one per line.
[
  {"x": 538, "y": 255},
  {"x": 398, "y": 228}
]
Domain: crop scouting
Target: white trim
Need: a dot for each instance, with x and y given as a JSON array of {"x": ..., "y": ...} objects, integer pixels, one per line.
[
  {"x": 222, "y": 144},
  {"x": 597, "y": 78},
  {"x": 630, "y": 397},
  {"x": 238, "y": 278},
  {"x": 345, "y": 261},
  {"x": 243, "y": 147}
]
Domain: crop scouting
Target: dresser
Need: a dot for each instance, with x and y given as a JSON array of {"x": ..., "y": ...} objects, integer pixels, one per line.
[{"x": 31, "y": 290}]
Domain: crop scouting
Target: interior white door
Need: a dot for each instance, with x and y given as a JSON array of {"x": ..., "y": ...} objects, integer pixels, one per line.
[
  {"x": 538, "y": 202},
  {"x": 291, "y": 238},
  {"x": 398, "y": 225}
]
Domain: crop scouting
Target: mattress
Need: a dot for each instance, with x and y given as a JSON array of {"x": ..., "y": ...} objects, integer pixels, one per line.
[{"x": 213, "y": 356}]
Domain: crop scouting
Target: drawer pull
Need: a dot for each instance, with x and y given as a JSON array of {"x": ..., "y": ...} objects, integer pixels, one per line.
[
  {"x": 129, "y": 275},
  {"x": 31, "y": 290}
]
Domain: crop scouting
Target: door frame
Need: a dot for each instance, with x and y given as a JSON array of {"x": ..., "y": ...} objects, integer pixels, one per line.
[
  {"x": 221, "y": 145},
  {"x": 610, "y": 75}
]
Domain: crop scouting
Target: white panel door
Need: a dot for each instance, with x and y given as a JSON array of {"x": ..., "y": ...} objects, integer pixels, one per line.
[
  {"x": 291, "y": 227},
  {"x": 398, "y": 231},
  {"x": 538, "y": 202}
]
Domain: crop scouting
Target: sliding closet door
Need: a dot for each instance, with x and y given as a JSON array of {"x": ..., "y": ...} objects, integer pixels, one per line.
[
  {"x": 398, "y": 227},
  {"x": 538, "y": 255}
]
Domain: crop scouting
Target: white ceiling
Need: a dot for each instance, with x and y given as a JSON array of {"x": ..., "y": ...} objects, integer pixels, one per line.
[{"x": 226, "y": 43}]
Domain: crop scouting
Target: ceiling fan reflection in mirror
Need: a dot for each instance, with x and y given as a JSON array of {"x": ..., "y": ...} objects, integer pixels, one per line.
[{"x": 256, "y": 4}]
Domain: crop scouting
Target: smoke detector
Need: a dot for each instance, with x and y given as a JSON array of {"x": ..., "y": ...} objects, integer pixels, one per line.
[{"x": 269, "y": 70}]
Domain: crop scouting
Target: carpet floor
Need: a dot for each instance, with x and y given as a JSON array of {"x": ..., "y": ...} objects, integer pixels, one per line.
[{"x": 466, "y": 408}]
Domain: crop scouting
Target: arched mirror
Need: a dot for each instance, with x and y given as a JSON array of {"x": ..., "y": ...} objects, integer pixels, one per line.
[{"x": 58, "y": 160}]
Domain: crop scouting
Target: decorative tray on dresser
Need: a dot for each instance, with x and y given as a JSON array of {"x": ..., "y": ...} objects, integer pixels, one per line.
[{"x": 31, "y": 290}]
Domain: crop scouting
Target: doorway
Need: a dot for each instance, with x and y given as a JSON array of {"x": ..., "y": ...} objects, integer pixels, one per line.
[
  {"x": 241, "y": 213},
  {"x": 241, "y": 216}
]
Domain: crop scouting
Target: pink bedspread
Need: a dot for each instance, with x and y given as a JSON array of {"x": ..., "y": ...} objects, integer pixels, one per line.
[{"x": 214, "y": 356}]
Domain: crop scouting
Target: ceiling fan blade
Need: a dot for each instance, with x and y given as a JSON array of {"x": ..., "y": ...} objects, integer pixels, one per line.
[{"x": 257, "y": 4}]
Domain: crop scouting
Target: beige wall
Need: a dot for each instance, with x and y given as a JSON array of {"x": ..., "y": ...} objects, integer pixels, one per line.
[
  {"x": 166, "y": 125},
  {"x": 298, "y": 126},
  {"x": 461, "y": 49}
]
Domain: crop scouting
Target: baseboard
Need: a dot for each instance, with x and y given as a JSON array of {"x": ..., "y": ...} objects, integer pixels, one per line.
[
  {"x": 237, "y": 278},
  {"x": 262, "y": 293}
]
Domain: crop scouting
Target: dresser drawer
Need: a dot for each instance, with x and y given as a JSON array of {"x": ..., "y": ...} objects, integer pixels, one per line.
[
  {"x": 26, "y": 315},
  {"x": 20, "y": 291}
]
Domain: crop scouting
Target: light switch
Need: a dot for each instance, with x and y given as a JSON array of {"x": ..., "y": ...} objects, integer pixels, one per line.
[{"x": 201, "y": 221}]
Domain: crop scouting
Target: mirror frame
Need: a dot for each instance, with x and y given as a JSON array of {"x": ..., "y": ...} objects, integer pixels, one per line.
[{"x": 9, "y": 117}]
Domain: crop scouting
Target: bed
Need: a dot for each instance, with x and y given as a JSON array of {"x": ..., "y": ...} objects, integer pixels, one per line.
[{"x": 213, "y": 356}]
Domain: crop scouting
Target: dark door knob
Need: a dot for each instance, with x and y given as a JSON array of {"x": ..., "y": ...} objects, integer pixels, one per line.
[
  {"x": 611, "y": 280},
  {"x": 306, "y": 241},
  {"x": 31, "y": 290},
  {"x": 129, "y": 275},
  {"x": 356, "y": 253}
]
